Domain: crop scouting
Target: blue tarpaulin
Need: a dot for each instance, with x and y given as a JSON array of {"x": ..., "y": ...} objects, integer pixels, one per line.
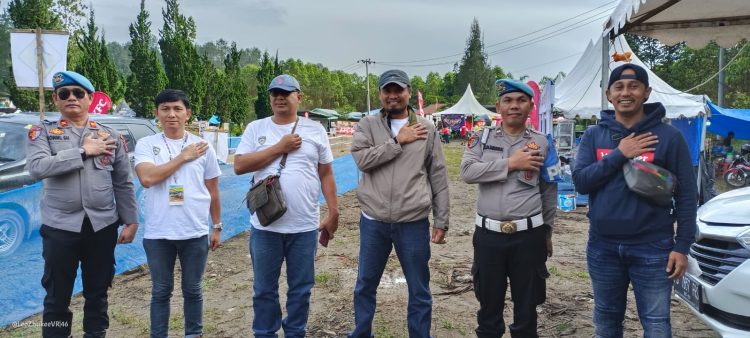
[
  {"x": 22, "y": 293},
  {"x": 691, "y": 129},
  {"x": 724, "y": 120}
]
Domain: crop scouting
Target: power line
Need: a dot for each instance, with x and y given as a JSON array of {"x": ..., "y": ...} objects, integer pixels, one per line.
[
  {"x": 367, "y": 63},
  {"x": 546, "y": 63},
  {"x": 509, "y": 40},
  {"x": 547, "y": 36}
]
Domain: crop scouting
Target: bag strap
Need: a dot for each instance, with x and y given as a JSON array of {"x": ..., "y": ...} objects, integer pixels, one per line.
[{"x": 283, "y": 158}]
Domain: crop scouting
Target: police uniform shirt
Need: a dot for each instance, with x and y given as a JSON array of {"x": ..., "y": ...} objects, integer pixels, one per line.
[
  {"x": 505, "y": 195},
  {"x": 98, "y": 187}
]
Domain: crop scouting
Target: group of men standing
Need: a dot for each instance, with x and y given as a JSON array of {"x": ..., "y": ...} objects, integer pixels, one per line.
[{"x": 88, "y": 194}]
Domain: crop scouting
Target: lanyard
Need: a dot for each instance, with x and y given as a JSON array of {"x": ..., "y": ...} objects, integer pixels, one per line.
[{"x": 169, "y": 150}]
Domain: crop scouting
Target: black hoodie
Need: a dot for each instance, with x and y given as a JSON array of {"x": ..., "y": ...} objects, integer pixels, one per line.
[{"x": 616, "y": 214}]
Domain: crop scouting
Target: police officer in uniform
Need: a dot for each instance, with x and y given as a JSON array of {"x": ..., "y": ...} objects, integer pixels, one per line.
[
  {"x": 515, "y": 214},
  {"x": 87, "y": 195}
]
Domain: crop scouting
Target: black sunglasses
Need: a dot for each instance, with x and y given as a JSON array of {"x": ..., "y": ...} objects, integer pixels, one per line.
[
  {"x": 279, "y": 92},
  {"x": 64, "y": 93}
]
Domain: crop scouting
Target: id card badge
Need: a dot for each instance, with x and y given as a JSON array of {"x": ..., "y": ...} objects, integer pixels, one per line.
[{"x": 176, "y": 194}]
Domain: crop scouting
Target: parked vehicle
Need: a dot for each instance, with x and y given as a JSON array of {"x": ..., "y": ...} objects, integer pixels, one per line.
[
  {"x": 19, "y": 193},
  {"x": 737, "y": 173},
  {"x": 715, "y": 286}
]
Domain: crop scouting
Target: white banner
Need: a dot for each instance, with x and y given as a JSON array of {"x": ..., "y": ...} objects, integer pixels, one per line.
[{"x": 24, "y": 57}]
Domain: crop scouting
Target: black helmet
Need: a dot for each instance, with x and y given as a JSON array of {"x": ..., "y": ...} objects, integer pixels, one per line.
[{"x": 745, "y": 149}]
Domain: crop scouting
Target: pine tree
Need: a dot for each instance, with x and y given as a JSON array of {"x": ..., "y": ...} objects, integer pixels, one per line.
[
  {"x": 147, "y": 77},
  {"x": 237, "y": 99},
  {"x": 474, "y": 68},
  {"x": 184, "y": 67},
  {"x": 268, "y": 70},
  {"x": 96, "y": 65}
]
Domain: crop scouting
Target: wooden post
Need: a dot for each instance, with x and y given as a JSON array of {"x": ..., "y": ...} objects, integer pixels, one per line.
[{"x": 40, "y": 70}]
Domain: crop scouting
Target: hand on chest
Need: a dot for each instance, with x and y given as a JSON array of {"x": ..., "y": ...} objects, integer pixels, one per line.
[{"x": 307, "y": 151}]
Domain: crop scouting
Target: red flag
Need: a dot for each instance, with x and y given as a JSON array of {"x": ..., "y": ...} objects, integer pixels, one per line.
[
  {"x": 534, "y": 116},
  {"x": 421, "y": 102},
  {"x": 100, "y": 103}
]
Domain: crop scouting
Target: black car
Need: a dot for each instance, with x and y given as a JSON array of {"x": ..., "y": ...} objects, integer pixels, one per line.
[{"x": 19, "y": 193}]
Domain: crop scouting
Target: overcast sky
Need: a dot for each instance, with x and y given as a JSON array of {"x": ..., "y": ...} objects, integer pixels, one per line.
[{"x": 337, "y": 33}]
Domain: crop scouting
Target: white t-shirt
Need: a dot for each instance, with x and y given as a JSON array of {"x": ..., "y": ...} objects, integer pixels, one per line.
[
  {"x": 396, "y": 125},
  {"x": 177, "y": 222},
  {"x": 300, "y": 181}
]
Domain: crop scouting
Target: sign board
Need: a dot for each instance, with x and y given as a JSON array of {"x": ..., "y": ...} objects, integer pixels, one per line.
[{"x": 23, "y": 49}]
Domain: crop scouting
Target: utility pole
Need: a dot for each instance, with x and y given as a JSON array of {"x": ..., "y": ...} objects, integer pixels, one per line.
[
  {"x": 722, "y": 62},
  {"x": 367, "y": 63}
]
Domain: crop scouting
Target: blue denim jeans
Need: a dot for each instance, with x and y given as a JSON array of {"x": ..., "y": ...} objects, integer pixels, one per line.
[
  {"x": 161, "y": 255},
  {"x": 412, "y": 243},
  {"x": 268, "y": 250},
  {"x": 612, "y": 266}
]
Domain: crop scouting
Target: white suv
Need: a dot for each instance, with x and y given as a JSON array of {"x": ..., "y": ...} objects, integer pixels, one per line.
[{"x": 716, "y": 286}]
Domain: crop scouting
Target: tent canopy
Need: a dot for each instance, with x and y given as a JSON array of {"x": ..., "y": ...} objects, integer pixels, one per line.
[
  {"x": 467, "y": 105},
  {"x": 578, "y": 94},
  {"x": 696, "y": 22},
  {"x": 724, "y": 120},
  {"x": 329, "y": 114}
]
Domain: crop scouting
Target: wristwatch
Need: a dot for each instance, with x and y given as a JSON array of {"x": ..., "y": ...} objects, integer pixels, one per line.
[
  {"x": 219, "y": 226},
  {"x": 82, "y": 152}
]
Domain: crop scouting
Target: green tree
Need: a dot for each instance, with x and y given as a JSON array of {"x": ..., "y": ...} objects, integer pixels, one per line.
[
  {"x": 417, "y": 85},
  {"x": 216, "y": 91},
  {"x": 120, "y": 55},
  {"x": 652, "y": 52},
  {"x": 30, "y": 14},
  {"x": 447, "y": 90},
  {"x": 433, "y": 84},
  {"x": 97, "y": 66},
  {"x": 147, "y": 77},
  {"x": 474, "y": 68},
  {"x": 237, "y": 101},
  {"x": 268, "y": 70},
  {"x": 184, "y": 67},
  {"x": 4, "y": 52}
]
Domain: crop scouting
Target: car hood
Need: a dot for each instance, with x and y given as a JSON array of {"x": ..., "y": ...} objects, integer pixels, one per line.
[{"x": 729, "y": 208}]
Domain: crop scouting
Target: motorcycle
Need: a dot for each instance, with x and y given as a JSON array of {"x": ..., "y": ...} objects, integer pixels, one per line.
[{"x": 737, "y": 174}]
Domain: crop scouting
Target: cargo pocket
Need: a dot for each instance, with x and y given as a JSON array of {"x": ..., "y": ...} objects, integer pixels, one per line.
[{"x": 540, "y": 284}]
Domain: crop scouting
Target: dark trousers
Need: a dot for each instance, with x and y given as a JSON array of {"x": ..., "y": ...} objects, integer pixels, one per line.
[
  {"x": 520, "y": 258},
  {"x": 62, "y": 251}
]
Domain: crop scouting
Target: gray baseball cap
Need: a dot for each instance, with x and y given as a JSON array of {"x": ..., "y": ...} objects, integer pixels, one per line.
[
  {"x": 394, "y": 76},
  {"x": 284, "y": 82}
]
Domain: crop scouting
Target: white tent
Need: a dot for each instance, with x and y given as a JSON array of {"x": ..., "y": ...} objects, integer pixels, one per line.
[
  {"x": 579, "y": 94},
  {"x": 467, "y": 105},
  {"x": 694, "y": 21}
]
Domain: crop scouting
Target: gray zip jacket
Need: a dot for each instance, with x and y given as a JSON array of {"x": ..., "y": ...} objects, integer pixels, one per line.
[{"x": 400, "y": 183}]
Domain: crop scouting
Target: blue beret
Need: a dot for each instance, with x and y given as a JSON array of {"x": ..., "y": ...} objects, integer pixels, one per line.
[
  {"x": 505, "y": 86},
  {"x": 284, "y": 82},
  {"x": 70, "y": 78}
]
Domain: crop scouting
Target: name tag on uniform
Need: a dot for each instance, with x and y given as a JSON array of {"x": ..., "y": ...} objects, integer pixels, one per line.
[{"x": 176, "y": 194}]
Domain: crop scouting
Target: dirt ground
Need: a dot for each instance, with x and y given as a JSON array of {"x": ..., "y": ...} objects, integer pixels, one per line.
[{"x": 228, "y": 285}]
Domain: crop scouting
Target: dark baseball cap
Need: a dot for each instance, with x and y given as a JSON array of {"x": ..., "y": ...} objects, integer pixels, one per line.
[
  {"x": 394, "y": 76},
  {"x": 640, "y": 74}
]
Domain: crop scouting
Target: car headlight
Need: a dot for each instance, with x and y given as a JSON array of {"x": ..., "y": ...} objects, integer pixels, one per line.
[{"x": 744, "y": 239}]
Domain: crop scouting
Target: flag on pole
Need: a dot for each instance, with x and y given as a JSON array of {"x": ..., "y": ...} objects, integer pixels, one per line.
[{"x": 421, "y": 103}]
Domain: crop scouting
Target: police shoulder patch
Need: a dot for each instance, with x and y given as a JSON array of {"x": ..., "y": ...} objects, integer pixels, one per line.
[
  {"x": 473, "y": 141},
  {"x": 34, "y": 132}
]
